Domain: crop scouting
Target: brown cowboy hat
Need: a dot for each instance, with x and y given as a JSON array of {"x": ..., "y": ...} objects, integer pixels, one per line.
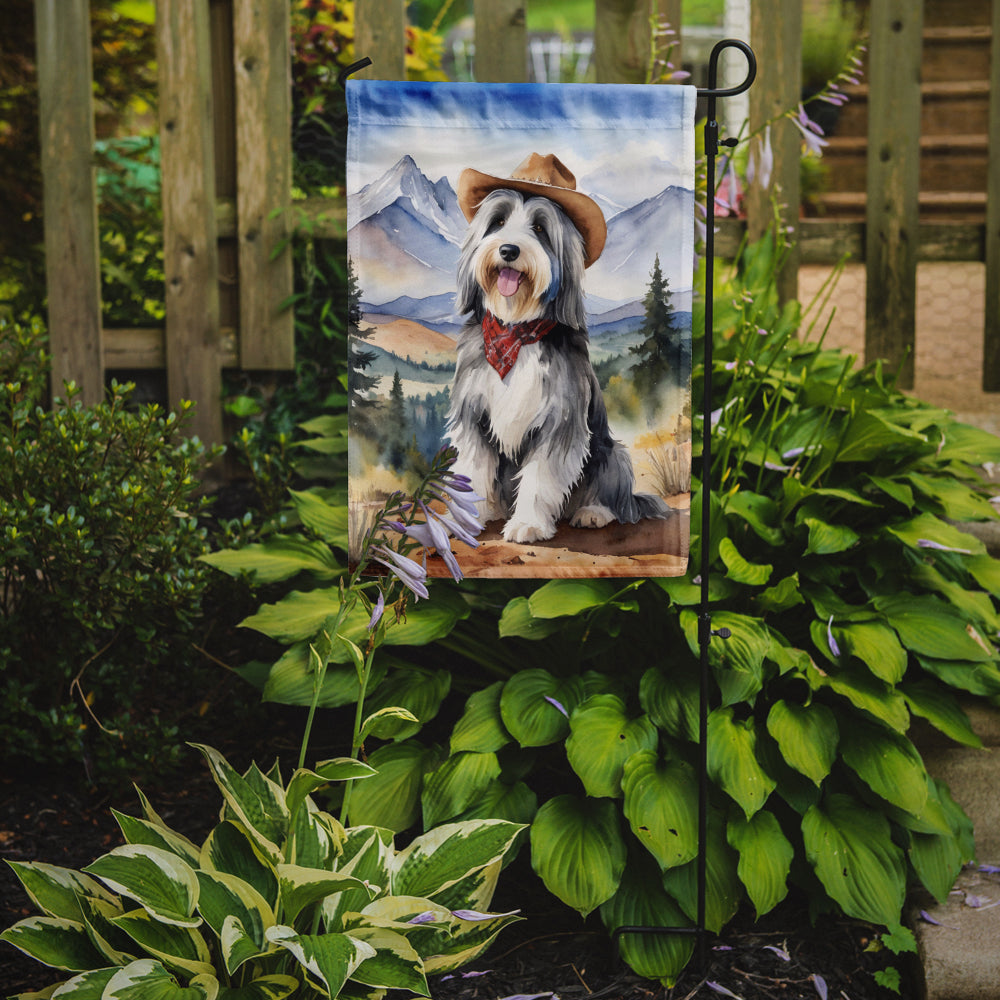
[{"x": 546, "y": 176}]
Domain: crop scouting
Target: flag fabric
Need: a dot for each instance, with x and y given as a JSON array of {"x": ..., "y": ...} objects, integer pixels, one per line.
[{"x": 521, "y": 261}]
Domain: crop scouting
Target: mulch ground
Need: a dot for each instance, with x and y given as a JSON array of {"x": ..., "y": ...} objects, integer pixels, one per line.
[{"x": 550, "y": 953}]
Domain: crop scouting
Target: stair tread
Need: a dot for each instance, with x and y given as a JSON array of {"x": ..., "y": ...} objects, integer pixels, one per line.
[
  {"x": 929, "y": 198},
  {"x": 847, "y": 144},
  {"x": 958, "y": 33},
  {"x": 935, "y": 88}
]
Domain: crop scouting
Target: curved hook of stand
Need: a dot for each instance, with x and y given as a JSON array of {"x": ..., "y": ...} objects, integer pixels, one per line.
[
  {"x": 353, "y": 68},
  {"x": 713, "y": 69}
]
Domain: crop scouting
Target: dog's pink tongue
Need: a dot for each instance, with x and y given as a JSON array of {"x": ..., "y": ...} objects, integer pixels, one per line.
[{"x": 507, "y": 281}]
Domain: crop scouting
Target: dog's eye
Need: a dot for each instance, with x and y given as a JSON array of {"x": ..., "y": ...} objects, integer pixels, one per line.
[{"x": 539, "y": 228}]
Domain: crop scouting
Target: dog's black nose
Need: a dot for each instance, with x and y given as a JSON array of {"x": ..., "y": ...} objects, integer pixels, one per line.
[{"x": 509, "y": 252}]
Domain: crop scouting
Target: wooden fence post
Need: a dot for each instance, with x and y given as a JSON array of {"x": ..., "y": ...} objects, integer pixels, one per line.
[
  {"x": 776, "y": 35},
  {"x": 190, "y": 251},
  {"x": 262, "y": 61},
  {"x": 72, "y": 255},
  {"x": 893, "y": 183},
  {"x": 991, "y": 333},
  {"x": 623, "y": 37},
  {"x": 501, "y": 41},
  {"x": 380, "y": 34}
]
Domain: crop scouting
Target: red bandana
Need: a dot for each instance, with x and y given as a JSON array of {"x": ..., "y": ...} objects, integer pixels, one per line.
[{"x": 503, "y": 342}]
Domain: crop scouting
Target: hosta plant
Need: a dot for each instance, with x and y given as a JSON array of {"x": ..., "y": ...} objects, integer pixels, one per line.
[{"x": 279, "y": 900}]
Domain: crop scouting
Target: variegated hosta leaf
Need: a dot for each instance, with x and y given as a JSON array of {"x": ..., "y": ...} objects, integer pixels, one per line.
[
  {"x": 807, "y": 736},
  {"x": 723, "y": 889},
  {"x": 177, "y": 947},
  {"x": 225, "y": 897},
  {"x": 158, "y": 880},
  {"x": 888, "y": 763},
  {"x": 467, "y": 941},
  {"x": 230, "y": 849},
  {"x": 147, "y": 979},
  {"x": 301, "y": 887},
  {"x": 476, "y": 890},
  {"x": 54, "y": 941},
  {"x": 315, "y": 838},
  {"x": 87, "y": 986},
  {"x": 304, "y": 782},
  {"x": 256, "y": 801},
  {"x": 578, "y": 851},
  {"x": 56, "y": 891},
  {"x": 602, "y": 737},
  {"x": 441, "y": 857},
  {"x": 275, "y": 987},
  {"x": 535, "y": 706},
  {"x": 850, "y": 847},
  {"x": 732, "y": 760},
  {"x": 481, "y": 727},
  {"x": 116, "y": 947},
  {"x": 661, "y": 805},
  {"x": 141, "y": 831},
  {"x": 395, "y": 964},
  {"x": 329, "y": 959},
  {"x": 456, "y": 784},
  {"x": 642, "y": 902},
  {"x": 367, "y": 853},
  {"x": 765, "y": 858}
]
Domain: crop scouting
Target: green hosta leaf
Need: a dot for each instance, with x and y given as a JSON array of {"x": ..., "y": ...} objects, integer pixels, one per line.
[
  {"x": 975, "y": 605},
  {"x": 516, "y": 803},
  {"x": 330, "y": 959},
  {"x": 561, "y": 598},
  {"x": 225, "y": 897},
  {"x": 931, "y": 628},
  {"x": 304, "y": 782},
  {"x": 578, "y": 851},
  {"x": 850, "y": 847},
  {"x": 684, "y": 593},
  {"x": 893, "y": 488},
  {"x": 274, "y": 987},
  {"x": 957, "y": 501},
  {"x": 641, "y": 901},
  {"x": 671, "y": 700},
  {"x": 54, "y": 941},
  {"x": 976, "y": 678},
  {"x": 441, "y": 857},
  {"x": 528, "y": 710},
  {"x": 147, "y": 979},
  {"x": 807, "y": 736},
  {"x": 937, "y": 859},
  {"x": 661, "y": 798},
  {"x": 602, "y": 738},
  {"x": 141, "y": 831},
  {"x": 870, "y": 435},
  {"x": 56, "y": 891},
  {"x": 986, "y": 571},
  {"x": 292, "y": 681},
  {"x": 732, "y": 760},
  {"x": 279, "y": 558},
  {"x": 327, "y": 520},
  {"x": 965, "y": 443},
  {"x": 517, "y": 620},
  {"x": 866, "y": 692},
  {"x": 738, "y": 569},
  {"x": 386, "y": 723},
  {"x": 941, "y": 709},
  {"x": 783, "y": 595},
  {"x": 230, "y": 849},
  {"x": 738, "y": 661},
  {"x": 888, "y": 763},
  {"x": 723, "y": 889},
  {"x": 260, "y": 809},
  {"x": 828, "y": 539},
  {"x": 456, "y": 784},
  {"x": 159, "y": 881},
  {"x": 180, "y": 948},
  {"x": 395, "y": 964},
  {"x": 758, "y": 511},
  {"x": 301, "y": 887},
  {"x": 391, "y": 798},
  {"x": 876, "y": 646},
  {"x": 928, "y": 528},
  {"x": 481, "y": 728},
  {"x": 765, "y": 858},
  {"x": 417, "y": 690}
]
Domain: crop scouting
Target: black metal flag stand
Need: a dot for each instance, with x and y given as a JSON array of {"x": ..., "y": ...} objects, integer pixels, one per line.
[{"x": 705, "y": 631}]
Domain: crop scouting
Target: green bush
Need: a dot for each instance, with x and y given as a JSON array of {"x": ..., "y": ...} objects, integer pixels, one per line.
[
  {"x": 854, "y": 603},
  {"x": 101, "y": 584}
]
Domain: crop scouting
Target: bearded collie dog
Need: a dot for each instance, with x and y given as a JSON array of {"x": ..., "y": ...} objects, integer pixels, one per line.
[{"x": 526, "y": 414}]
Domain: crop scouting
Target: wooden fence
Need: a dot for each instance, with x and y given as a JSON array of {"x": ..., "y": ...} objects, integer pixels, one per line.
[{"x": 226, "y": 161}]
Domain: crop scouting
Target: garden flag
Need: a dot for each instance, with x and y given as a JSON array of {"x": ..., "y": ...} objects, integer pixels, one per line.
[{"x": 521, "y": 263}]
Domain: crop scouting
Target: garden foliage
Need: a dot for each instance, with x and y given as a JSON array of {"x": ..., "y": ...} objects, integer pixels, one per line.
[
  {"x": 280, "y": 899},
  {"x": 854, "y": 603},
  {"x": 99, "y": 546}
]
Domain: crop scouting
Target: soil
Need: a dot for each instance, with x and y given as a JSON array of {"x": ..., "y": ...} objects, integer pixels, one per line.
[{"x": 550, "y": 953}]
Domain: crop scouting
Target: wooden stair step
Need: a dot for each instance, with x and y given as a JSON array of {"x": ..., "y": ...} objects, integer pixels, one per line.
[
  {"x": 953, "y": 204},
  {"x": 956, "y": 53}
]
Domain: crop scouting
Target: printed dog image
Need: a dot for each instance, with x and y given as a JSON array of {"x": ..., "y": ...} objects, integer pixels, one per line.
[{"x": 526, "y": 413}]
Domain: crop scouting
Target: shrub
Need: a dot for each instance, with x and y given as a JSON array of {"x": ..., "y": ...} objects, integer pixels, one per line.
[
  {"x": 280, "y": 899},
  {"x": 99, "y": 541}
]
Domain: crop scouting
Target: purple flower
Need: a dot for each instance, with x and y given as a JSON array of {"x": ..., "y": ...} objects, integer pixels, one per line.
[
  {"x": 427, "y": 917},
  {"x": 927, "y": 543},
  {"x": 411, "y": 574},
  {"x": 834, "y": 648},
  {"x": 377, "y": 611},
  {"x": 475, "y": 915},
  {"x": 761, "y": 164},
  {"x": 811, "y": 132},
  {"x": 780, "y": 952},
  {"x": 719, "y": 988},
  {"x": 820, "y": 983},
  {"x": 558, "y": 705}
]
